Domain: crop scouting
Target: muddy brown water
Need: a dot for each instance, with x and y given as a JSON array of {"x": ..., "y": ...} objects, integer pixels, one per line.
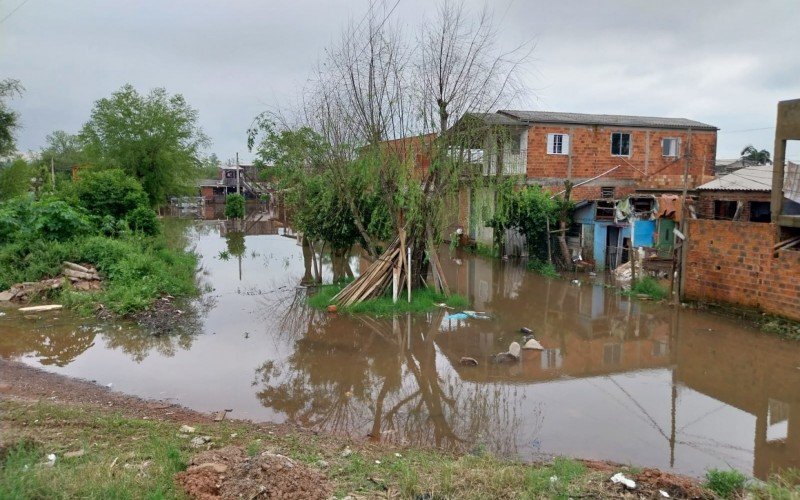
[{"x": 629, "y": 381}]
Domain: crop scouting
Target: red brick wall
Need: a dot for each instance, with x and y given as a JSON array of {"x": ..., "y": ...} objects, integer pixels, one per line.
[
  {"x": 705, "y": 202},
  {"x": 732, "y": 262},
  {"x": 645, "y": 168}
]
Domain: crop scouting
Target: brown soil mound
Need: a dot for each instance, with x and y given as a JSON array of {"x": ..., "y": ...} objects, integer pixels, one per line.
[{"x": 229, "y": 473}]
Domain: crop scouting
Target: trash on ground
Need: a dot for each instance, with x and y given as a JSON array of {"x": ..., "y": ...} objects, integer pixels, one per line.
[
  {"x": 45, "y": 308},
  {"x": 51, "y": 460},
  {"x": 619, "y": 478},
  {"x": 663, "y": 493},
  {"x": 186, "y": 429}
]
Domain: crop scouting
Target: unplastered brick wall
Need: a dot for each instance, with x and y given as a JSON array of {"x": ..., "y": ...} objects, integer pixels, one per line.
[
  {"x": 733, "y": 263},
  {"x": 646, "y": 167}
]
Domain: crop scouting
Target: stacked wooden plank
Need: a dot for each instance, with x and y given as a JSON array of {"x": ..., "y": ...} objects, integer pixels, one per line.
[
  {"x": 376, "y": 278},
  {"x": 393, "y": 268}
]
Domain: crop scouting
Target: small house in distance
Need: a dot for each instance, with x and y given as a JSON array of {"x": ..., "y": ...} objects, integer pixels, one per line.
[{"x": 216, "y": 190}]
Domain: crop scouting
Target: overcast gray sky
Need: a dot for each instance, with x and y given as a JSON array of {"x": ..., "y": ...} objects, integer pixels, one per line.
[{"x": 723, "y": 62}]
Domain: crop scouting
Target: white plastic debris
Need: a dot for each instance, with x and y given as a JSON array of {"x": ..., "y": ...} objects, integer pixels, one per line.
[
  {"x": 553, "y": 479},
  {"x": 51, "y": 460},
  {"x": 398, "y": 455},
  {"x": 663, "y": 493},
  {"x": 186, "y": 429},
  {"x": 619, "y": 478},
  {"x": 377, "y": 462},
  {"x": 110, "y": 385}
]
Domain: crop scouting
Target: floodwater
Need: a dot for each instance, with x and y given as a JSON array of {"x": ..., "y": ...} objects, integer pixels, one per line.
[{"x": 629, "y": 381}]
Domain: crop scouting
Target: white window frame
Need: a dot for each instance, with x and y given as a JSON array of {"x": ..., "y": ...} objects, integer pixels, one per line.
[
  {"x": 551, "y": 144},
  {"x": 630, "y": 143},
  {"x": 677, "y": 141}
]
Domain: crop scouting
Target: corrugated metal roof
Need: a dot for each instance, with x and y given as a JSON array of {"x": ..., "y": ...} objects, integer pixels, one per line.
[
  {"x": 608, "y": 120},
  {"x": 755, "y": 178}
]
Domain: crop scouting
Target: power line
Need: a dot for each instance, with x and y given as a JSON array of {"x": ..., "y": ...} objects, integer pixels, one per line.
[
  {"x": 746, "y": 130},
  {"x": 12, "y": 12}
]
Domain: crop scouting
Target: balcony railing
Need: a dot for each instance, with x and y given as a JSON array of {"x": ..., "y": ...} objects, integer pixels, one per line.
[{"x": 513, "y": 163}]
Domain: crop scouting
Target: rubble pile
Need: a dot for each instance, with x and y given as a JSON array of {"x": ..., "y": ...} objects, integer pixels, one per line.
[{"x": 83, "y": 278}]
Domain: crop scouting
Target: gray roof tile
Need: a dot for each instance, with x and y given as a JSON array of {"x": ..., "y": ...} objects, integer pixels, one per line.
[{"x": 607, "y": 120}]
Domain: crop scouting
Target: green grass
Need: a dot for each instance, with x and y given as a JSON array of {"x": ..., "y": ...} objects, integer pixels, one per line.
[
  {"x": 779, "y": 326},
  {"x": 725, "y": 483},
  {"x": 647, "y": 286},
  {"x": 485, "y": 250},
  {"x": 546, "y": 269},
  {"x": 422, "y": 300},
  {"x": 136, "y": 269}
]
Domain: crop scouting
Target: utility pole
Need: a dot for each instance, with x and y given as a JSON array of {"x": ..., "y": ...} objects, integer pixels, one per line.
[
  {"x": 238, "y": 176},
  {"x": 684, "y": 223}
]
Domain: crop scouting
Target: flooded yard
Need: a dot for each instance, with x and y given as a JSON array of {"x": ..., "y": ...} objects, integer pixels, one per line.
[{"x": 628, "y": 381}]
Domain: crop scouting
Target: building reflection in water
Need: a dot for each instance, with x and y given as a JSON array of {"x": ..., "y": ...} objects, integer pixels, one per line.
[{"x": 401, "y": 379}]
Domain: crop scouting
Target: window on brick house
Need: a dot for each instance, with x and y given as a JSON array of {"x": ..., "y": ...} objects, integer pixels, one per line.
[
  {"x": 760, "y": 211},
  {"x": 670, "y": 146},
  {"x": 724, "y": 209},
  {"x": 557, "y": 144},
  {"x": 620, "y": 144},
  {"x": 607, "y": 192}
]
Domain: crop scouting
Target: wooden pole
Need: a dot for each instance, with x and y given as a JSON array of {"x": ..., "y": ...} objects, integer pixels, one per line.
[
  {"x": 549, "y": 250},
  {"x": 408, "y": 273}
]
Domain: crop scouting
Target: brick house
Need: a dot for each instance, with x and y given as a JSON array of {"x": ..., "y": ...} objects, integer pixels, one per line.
[
  {"x": 606, "y": 158},
  {"x": 743, "y": 195}
]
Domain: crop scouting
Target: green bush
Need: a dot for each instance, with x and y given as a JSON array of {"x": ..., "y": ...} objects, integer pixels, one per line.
[
  {"x": 234, "y": 206},
  {"x": 725, "y": 483},
  {"x": 546, "y": 269},
  {"x": 647, "y": 286},
  {"x": 143, "y": 219},
  {"x": 15, "y": 178},
  {"x": 57, "y": 220},
  {"x": 109, "y": 192}
]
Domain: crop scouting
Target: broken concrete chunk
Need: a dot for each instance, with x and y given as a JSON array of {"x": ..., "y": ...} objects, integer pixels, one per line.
[
  {"x": 514, "y": 349},
  {"x": 6, "y": 296},
  {"x": 533, "y": 344},
  {"x": 198, "y": 441},
  {"x": 186, "y": 429}
]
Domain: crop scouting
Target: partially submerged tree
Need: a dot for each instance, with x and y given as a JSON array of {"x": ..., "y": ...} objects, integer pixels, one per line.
[
  {"x": 154, "y": 138},
  {"x": 378, "y": 108}
]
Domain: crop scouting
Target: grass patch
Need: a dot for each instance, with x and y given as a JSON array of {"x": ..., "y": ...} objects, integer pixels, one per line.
[
  {"x": 484, "y": 250},
  {"x": 725, "y": 483},
  {"x": 546, "y": 269},
  {"x": 422, "y": 300},
  {"x": 647, "y": 286},
  {"x": 782, "y": 327},
  {"x": 136, "y": 269}
]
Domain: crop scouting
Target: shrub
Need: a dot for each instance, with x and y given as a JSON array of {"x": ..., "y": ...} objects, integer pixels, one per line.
[
  {"x": 648, "y": 286},
  {"x": 143, "y": 219},
  {"x": 109, "y": 192},
  {"x": 546, "y": 269},
  {"x": 15, "y": 179},
  {"x": 725, "y": 483},
  {"x": 57, "y": 220},
  {"x": 234, "y": 206}
]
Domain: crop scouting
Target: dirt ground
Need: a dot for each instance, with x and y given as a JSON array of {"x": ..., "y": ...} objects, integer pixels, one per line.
[{"x": 230, "y": 472}]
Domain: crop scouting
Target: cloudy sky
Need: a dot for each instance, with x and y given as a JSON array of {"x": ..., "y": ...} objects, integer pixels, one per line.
[{"x": 723, "y": 62}]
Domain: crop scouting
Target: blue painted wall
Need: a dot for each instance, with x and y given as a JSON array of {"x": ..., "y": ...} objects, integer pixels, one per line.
[{"x": 644, "y": 230}]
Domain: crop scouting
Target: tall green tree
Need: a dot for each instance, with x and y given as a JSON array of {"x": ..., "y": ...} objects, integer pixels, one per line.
[
  {"x": 64, "y": 150},
  {"x": 15, "y": 178},
  {"x": 9, "y": 119},
  {"x": 154, "y": 138}
]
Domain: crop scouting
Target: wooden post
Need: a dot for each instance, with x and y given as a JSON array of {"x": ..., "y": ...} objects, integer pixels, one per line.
[
  {"x": 549, "y": 250},
  {"x": 408, "y": 274}
]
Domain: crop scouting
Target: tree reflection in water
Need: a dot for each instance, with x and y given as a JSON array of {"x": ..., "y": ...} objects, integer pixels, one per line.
[{"x": 379, "y": 377}]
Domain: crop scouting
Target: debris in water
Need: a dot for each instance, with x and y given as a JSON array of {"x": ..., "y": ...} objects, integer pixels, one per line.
[
  {"x": 467, "y": 361},
  {"x": 514, "y": 349},
  {"x": 45, "y": 308},
  {"x": 457, "y": 316},
  {"x": 525, "y": 330},
  {"x": 533, "y": 344},
  {"x": 619, "y": 478},
  {"x": 576, "y": 282},
  {"x": 444, "y": 306}
]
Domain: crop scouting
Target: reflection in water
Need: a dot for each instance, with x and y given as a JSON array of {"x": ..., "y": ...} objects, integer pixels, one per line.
[{"x": 623, "y": 380}]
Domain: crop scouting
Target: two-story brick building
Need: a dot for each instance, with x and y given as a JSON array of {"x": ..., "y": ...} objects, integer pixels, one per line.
[{"x": 606, "y": 158}]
